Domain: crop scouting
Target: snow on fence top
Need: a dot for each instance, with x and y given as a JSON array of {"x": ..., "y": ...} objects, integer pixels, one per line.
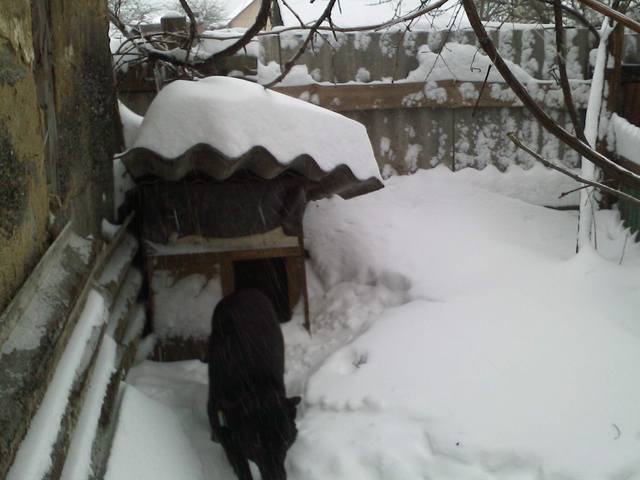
[
  {"x": 627, "y": 139},
  {"x": 219, "y": 125},
  {"x": 391, "y": 55}
]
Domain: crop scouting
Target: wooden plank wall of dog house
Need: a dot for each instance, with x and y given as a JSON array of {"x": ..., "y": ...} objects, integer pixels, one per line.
[{"x": 227, "y": 276}]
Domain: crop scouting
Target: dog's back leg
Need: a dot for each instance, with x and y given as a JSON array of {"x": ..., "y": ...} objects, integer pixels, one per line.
[{"x": 237, "y": 460}]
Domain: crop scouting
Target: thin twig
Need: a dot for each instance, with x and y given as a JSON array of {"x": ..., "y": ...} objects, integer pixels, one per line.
[
  {"x": 293, "y": 12},
  {"x": 115, "y": 20},
  {"x": 141, "y": 43},
  {"x": 578, "y": 16},
  {"x": 594, "y": 230},
  {"x": 562, "y": 68},
  {"x": 564, "y": 194},
  {"x": 292, "y": 61},
  {"x": 610, "y": 167},
  {"x": 255, "y": 30},
  {"x": 486, "y": 77},
  {"x": 512, "y": 136},
  {"x": 442, "y": 46},
  {"x": 613, "y": 14},
  {"x": 193, "y": 32},
  {"x": 375, "y": 27},
  {"x": 259, "y": 24}
]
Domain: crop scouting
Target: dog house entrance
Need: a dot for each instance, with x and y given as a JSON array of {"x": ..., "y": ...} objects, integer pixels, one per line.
[
  {"x": 278, "y": 272},
  {"x": 268, "y": 275}
]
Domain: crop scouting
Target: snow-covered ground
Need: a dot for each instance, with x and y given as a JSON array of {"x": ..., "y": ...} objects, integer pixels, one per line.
[{"x": 456, "y": 335}]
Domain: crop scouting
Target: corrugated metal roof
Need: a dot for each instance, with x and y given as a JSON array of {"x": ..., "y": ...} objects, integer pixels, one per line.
[{"x": 203, "y": 158}]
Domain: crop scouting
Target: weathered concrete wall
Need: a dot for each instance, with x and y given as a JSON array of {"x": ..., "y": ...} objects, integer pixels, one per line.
[
  {"x": 57, "y": 127},
  {"x": 85, "y": 108},
  {"x": 23, "y": 186}
]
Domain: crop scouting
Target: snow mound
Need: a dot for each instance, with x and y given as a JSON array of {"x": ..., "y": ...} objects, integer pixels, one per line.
[
  {"x": 461, "y": 62},
  {"x": 512, "y": 359},
  {"x": 429, "y": 228},
  {"x": 503, "y": 385}
]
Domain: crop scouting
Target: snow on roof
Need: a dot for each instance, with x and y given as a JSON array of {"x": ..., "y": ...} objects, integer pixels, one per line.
[
  {"x": 235, "y": 7},
  {"x": 131, "y": 122},
  {"x": 220, "y": 125}
]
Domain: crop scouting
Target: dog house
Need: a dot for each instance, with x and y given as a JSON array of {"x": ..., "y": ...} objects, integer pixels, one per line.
[{"x": 223, "y": 171}]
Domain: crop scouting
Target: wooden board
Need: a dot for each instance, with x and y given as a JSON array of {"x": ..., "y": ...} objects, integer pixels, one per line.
[
  {"x": 379, "y": 96},
  {"x": 196, "y": 260},
  {"x": 221, "y": 265}
]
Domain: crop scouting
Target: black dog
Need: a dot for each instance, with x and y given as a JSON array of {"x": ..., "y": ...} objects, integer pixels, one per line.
[{"x": 249, "y": 412}]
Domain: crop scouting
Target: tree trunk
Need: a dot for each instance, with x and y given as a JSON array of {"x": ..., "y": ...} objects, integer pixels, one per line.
[{"x": 585, "y": 223}]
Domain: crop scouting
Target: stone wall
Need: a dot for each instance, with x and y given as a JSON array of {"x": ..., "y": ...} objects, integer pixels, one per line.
[
  {"x": 23, "y": 185},
  {"x": 58, "y": 128}
]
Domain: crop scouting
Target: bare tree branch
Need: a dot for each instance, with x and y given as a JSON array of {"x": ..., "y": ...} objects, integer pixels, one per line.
[
  {"x": 562, "y": 67},
  {"x": 141, "y": 45},
  {"x": 613, "y": 14},
  {"x": 608, "y": 166},
  {"x": 375, "y": 27},
  {"x": 148, "y": 49},
  {"x": 326, "y": 14},
  {"x": 192, "y": 27},
  {"x": 512, "y": 136},
  {"x": 259, "y": 24},
  {"x": 115, "y": 20},
  {"x": 292, "y": 61},
  {"x": 293, "y": 12},
  {"x": 578, "y": 16}
]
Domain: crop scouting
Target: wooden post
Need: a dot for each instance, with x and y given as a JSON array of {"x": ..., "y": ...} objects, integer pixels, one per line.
[
  {"x": 227, "y": 276},
  {"x": 303, "y": 279},
  {"x": 614, "y": 76}
]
